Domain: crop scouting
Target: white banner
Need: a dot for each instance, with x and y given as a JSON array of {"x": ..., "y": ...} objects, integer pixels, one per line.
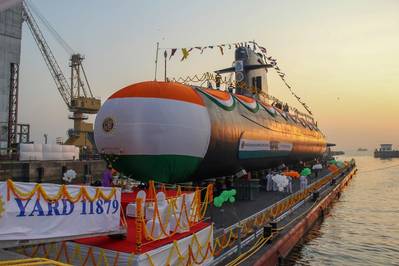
[
  {"x": 37, "y": 211},
  {"x": 264, "y": 145}
]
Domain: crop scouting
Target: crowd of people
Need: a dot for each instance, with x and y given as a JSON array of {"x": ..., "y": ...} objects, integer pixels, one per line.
[
  {"x": 270, "y": 182},
  {"x": 274, "y": 179}
]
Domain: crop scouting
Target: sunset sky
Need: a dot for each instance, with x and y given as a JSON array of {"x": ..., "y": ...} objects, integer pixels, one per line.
[{"x": 341, "y": 57}]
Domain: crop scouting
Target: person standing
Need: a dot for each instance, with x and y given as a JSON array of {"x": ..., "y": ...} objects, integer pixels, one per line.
[
  {"x": 274, "y": 186},
  {"x": 289, "y": 186},
  {"x": 106, "y": 180},
  {"x": 269, "y": 180},
  {"x": 303, "y": 182}
]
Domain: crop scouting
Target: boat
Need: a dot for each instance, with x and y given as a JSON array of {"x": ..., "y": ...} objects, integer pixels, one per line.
[
  {"x": 362, "y": 149},
  {"x": 386, "y": 151},
  {"x": 336, "y": 153}
]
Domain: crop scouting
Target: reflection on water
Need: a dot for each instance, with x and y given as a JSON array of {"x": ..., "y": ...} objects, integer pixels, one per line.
[{"x": 362, "y": 227}]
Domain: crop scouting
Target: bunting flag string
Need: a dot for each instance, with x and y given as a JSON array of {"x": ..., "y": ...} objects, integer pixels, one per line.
[
  {"x": 185, "y": 52},
  {"x": 222, "y": 47},
  {"x": 281, "y": 74}
]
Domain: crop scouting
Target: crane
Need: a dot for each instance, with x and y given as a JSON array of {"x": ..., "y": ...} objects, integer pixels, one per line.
[{"x": 77, "y": 94}]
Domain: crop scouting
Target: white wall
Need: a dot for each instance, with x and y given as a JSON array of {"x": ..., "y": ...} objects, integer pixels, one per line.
[{"x": 47, "y": 152}]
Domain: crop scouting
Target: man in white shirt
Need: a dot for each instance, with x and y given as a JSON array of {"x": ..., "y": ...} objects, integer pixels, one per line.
[{"x": 303, "y": 182}]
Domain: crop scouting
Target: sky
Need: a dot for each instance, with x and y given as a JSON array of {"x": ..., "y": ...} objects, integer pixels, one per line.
[{"x": 341, "y": 57}]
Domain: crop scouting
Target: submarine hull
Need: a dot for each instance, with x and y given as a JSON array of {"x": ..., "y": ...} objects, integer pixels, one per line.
[
  {"x": 244, "y": 135},
  {"x": 171, "y": 132}
]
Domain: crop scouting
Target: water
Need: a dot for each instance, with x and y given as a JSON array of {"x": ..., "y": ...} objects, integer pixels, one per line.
[{"x": 362, "y": 227}]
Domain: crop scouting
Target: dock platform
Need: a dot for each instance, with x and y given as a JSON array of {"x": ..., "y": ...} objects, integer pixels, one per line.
[{"x": 261, "y": 231}]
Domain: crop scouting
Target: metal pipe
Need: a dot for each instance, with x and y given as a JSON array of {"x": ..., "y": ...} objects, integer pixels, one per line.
[{"x": 156, "y": 61}]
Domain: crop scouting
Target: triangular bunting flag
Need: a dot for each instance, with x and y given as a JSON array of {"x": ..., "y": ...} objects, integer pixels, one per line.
[
  {"x": 185, "y": 53},
  {"x": 221, "y": 49},
  {"x": 172, "y": 53}
]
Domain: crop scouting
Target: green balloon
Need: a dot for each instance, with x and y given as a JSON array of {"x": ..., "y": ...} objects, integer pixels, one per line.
[
  {"x": 229, "y": 194},
  {"x": 224, "y": 195},
  {"x": 216, "y": 199},
  {"x": 234, "y": 192},
  {"x": 216, "y": 202},
  {"x": 232, "y": 200},
  {"x": 306, "y": 172}
]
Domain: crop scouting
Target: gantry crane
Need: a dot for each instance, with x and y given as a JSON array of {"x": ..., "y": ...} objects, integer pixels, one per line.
[{"x": 77, "y": 95}]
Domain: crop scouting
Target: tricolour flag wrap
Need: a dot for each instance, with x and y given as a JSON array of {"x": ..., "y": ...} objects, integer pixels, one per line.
[{"x": 162, "y": 128}]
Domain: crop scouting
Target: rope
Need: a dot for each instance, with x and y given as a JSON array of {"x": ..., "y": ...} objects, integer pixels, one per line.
[
  {"x": 282, "y": 76},
  {"x": 50, "y": 28},
  {"x": 379, "y": 169},
  {"x": 258, "y": 244}
]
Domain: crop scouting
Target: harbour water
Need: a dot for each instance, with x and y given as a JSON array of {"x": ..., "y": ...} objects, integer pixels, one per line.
[{"x": 362, "y": 227}]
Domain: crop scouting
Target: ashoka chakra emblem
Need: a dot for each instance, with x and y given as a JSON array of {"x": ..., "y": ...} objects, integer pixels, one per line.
[{"x": 108, "y": 124}]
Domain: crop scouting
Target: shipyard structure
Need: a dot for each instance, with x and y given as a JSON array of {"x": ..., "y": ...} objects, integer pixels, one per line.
[
  {"x": 20, "y": 157},
  {"x": 10, "y": 51}
]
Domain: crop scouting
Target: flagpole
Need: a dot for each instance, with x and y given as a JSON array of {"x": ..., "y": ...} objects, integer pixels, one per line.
[
  {"x": 156, "y": 61},
  {"x": 165, "y": 54}
]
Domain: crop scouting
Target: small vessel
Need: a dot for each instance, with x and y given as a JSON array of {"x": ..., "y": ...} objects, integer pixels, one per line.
[
  {"x": 362, "y": 149},
  {"x": 386, "y": 151},
  {"x": 335, "y": 153}
]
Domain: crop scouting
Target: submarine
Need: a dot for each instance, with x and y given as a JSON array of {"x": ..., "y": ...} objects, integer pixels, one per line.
[{"x": 172, "y": 132}]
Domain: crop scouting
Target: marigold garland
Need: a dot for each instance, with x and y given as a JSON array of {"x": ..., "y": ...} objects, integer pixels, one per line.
[{"x": 62, "y": 193}]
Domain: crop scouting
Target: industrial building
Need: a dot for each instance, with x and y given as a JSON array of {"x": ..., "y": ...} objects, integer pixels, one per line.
[{"x": 10, "y": 51}]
